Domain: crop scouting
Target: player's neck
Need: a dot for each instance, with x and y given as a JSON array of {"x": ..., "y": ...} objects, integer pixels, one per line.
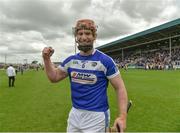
[{"x": 90, "y": 52}]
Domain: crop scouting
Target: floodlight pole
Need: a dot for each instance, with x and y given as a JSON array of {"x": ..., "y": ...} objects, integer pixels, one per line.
[{"x": 5, "y": 58}]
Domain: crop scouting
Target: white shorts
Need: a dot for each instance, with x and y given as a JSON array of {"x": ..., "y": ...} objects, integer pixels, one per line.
[{"x": 87, "y": 121}]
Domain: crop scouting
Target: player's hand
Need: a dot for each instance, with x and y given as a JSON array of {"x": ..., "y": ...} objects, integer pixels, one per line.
[
  {"x": 120, "y": 124},
  {"x": 47, "y": 52}
]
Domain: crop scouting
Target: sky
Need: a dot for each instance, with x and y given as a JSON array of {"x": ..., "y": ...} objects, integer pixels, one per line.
[{"x": 27, "y": 26}]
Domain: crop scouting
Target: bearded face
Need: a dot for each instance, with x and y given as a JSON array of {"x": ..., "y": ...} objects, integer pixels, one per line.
[
  {"x": 85, "y": 34},
  {"x": 85, "y": 39}
]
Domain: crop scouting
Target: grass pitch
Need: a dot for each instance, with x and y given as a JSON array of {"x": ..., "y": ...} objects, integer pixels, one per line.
[{"x": 36, "y": 105}]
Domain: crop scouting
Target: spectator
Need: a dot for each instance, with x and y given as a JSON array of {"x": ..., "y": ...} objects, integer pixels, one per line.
[{"x": 11, "y": 75}]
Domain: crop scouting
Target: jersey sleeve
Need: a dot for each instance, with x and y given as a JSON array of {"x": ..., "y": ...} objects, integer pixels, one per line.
[
  {"x": 65, "y": 64},
  {"x": 111, "y": 68}
]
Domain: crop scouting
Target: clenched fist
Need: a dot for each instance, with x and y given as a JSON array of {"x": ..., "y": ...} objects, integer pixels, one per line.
[{"x": 47, "y": 52}]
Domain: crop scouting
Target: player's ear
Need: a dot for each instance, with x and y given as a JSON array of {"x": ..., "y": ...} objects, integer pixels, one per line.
[{"x": 95, "y": 36}]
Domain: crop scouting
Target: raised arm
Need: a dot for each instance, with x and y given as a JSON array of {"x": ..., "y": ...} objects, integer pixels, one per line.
[{"x": 53, "y": 74}]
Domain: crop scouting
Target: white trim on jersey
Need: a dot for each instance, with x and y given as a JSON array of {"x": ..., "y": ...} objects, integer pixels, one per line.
[
  {"x": 112, "y": 76},
  {"x": 86, "y": 65}
]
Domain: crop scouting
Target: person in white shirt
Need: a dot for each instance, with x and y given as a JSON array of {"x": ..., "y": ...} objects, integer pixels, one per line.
[{"x": 11, "y": 74}]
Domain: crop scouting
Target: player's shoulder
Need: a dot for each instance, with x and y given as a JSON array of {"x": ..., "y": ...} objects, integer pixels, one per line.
[
  {"x": 71, "y": 57},
  {"x": 104, "y": 57}
]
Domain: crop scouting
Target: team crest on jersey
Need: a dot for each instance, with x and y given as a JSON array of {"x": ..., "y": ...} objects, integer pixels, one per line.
[
  {"x": 93, "y": 64},
  {"x": 83, "y": 78}
]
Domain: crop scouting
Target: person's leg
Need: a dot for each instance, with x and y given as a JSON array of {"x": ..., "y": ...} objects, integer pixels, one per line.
[
  {"x": 73, "y": 121},
  {"x": 93, "y": 122},
  {"x": 9, "y": 78},
  {"x": 13, "y": 80},
  {"x": 87, "y": 121}
]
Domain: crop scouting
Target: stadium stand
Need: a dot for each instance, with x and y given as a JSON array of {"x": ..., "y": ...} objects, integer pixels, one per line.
[{"x": 155, "y": 48}]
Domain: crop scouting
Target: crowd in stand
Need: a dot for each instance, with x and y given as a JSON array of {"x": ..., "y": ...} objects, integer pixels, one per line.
[{"x": 157, "y": 59}]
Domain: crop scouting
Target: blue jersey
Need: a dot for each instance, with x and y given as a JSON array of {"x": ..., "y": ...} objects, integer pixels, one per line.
[{"x": 89, "y": 79}]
